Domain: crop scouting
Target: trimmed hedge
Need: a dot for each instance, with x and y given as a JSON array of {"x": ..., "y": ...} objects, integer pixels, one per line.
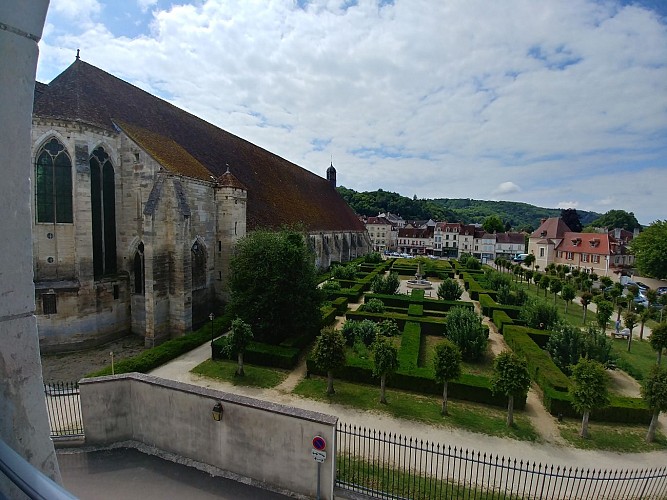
[
  {"x": 171, "y": 349},
  {"x": 500, "y": 319},
  {"x": 408, "y": 354},
  {"x": 416, "y": 310},
  {"x": 340, "y": 304},
  {"x": 430, "y": 326}
]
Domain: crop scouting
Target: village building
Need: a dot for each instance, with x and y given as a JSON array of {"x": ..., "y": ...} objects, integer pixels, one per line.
[
  {"x": 138, "y": 205},
  {"x": 601, "y": 253},
  {"x": 383, "y": 234}
]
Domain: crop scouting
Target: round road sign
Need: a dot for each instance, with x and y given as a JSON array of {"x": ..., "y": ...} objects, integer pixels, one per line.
[{"x": 319, "y": 443}]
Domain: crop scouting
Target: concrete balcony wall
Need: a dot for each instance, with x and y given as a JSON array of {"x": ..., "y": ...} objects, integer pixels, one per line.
[{"x": 266, "y": 442}]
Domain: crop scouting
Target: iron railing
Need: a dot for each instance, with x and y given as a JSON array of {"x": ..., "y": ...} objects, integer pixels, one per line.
[
  {"x": 63, "y": 406},
  {"x": 387, "y": 465}
]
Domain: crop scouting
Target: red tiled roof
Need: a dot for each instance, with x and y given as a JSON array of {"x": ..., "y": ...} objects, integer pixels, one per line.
[
  {"x": 589, "y": 243},
  {"x": 279, "y": 192}
]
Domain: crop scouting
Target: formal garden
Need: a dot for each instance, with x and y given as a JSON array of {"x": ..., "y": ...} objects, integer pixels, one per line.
[{"x": 362, "y": 339}]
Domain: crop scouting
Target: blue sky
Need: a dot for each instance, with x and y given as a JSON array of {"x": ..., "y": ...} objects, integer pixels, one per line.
[{"x": 558, "y": 104}]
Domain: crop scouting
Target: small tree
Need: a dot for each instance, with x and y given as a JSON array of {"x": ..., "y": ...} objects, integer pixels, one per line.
[
  {"x": 237, "y": 341},
  {"x": 386, "y": 285},
  {"x": 586, "y": 299},
  {"x": 605, "y": 310},
  {"x": 589, "y": 390},
  {"x": 565, "y": 345},
  {"x": 568, "y": 293},
  {"x": 464, "y": 327},
  {"x": 529, "y": 275},
  {"x": 555, "y": 286},
  {"x": 630, "y": 320},
  {"x": 544, "y": 283},
  {"x": 510, "y": 378},
  {"x": 538, "y": 313},
  {"x": 658, "y": 340},
  {"x": 449, "y": 289},
  {"x": 644, "y": 316},
  {"x": 447, "y": 365},
  {"x": 385, "y": 362},
  {"x": 388, "y": 328},
  {"x": 654, "y": 393},
  {"x": 529, "y": 260},
  {"x": 374, "y": 306},
  {"x": 329, "y": 353}
]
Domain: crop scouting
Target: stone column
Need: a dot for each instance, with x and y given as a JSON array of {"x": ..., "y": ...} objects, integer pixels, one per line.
[{"x": 23, "y": 420}]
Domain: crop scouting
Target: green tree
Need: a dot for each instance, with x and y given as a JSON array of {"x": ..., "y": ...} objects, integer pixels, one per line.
[
  {"x": 644, "y": 316},
  {"x": 386, "y": 285},
  {"x": 538, "y": 313},
  {"x": 555, "y": 286},
  {"x": 604, "y": 312},
  {"x": 273, "y": 285},
  {"x": 510, "y": 378},
  {"x": 385, "y": 362},
  {"x": 654, "y": 392},
  {"x": 586, "y": 299},
  {"x": 597, "y": 345},
  {"x": 650, "y": 250},
  {"x": 529, "y": 276},
  {"x": 464, "y": 327},
  {"x": 568, "y": 294},
  {"x": 630, "y": 321},
  {"x": 449, "y": 289},
  {"x": 571, "y": 218},
  {"x": 617, "y": 219},
  {"x": 529, "y": 260},
  {"x": 388, "y": 328},
  {"x": 658, "y": 339},
  {"x": 493, "y": 224},
  {"x": 329, "y": 353},
  {"x": 544, "y": 283},
  {"x": 447, "y": 365},
  {"x": 374, "y": 306},
  {"x": 589, "y": 390},
  {"x": 237, "y": 341},
  {"x": 565, "y": 345}
]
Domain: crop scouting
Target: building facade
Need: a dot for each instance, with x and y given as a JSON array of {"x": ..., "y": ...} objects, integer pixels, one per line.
[{"x": 138, "y": 205}]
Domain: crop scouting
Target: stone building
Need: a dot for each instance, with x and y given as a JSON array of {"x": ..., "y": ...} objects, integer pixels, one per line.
[{"x": 138, "y": 204}]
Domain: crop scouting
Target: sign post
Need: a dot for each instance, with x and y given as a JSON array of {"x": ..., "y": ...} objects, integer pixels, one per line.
[{"x": 320, "y": 455}]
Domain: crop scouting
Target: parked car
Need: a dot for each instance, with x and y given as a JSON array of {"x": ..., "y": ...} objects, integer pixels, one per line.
[
  {"x": 642, "y": 287},
  {"x": 661, "y": 290},
  {"x": 641, "y": 300},
  {"x": 520, "y": 257}
]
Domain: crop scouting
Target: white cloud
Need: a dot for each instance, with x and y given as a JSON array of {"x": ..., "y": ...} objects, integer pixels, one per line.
[
  {"x": 567, "y": 204},
  {"x": 507, "y": 188},
  {"x": 76, "y": 10},
  {"x": 144, "y": 5},
  {"x": 561, "y": 95}
]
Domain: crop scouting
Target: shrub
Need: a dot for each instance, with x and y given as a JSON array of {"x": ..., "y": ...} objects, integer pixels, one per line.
[
  {"x": 373, "y": 258},
  {"x": 385, "y": 284},
  {"x": 349, "y": 331},
  {"x": 449, "y": 289},
  {"x": 464, "y": 328},
  {"x": 388, "y": 328},
  {"x": 367, "y": 330},
  {"x": 331, "y": 286},
  {"x": 374, "y": 306},
  {"x": 537, "y": 313},
  {"x": 346, "y": 272}
]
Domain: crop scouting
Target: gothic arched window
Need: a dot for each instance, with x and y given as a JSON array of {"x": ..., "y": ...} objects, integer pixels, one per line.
[
  {"x": 198, "y": 264},
  {"x": 138, "y": 269},
  {"x": 53, "y": 183},
  {"x": 103, "y": 212}
]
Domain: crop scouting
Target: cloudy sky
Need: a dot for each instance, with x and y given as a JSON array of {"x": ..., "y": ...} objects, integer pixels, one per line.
[{"x": 555, "y": 103}]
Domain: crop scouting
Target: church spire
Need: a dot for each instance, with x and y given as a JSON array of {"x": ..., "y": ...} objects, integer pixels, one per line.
[{"x": 331, "y": 175}]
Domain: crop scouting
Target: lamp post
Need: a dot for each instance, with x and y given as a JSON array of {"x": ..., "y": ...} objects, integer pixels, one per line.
[{"x": 211, "y": 316}]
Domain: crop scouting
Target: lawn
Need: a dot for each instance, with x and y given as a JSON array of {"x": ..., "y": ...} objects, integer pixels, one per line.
[
  {"x": 483, "y": 367},
  {"x": 639, "y": 361},
  {"x": 255, "y": 376},
  {"x": 609, "y": 436},
  {"x": 406, "y": 405}
]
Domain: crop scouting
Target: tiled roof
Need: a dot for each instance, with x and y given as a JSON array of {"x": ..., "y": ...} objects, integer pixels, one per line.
[
  {"x": 279, "y": 192},
  {"x": 589, "y": 243},
  {"x": 415, "y": 232},
  {"x": 554, "y": 227},
  {"x": 512, "y": 238},
  {"x": 229, "y": 180},
  {"x": 378, "y": 220},
  {"x": 166, "y": 151}
]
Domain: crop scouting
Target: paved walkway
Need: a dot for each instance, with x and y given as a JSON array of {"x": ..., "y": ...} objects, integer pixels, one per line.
[{"x": 554, "y": 452}]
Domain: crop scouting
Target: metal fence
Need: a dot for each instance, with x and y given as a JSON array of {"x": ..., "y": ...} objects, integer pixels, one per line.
[
  {"x": 386, "y": 465},
  {"x": 64, "y": 409}
]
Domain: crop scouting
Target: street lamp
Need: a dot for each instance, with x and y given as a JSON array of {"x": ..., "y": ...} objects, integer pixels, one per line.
[{"x": 211, "y": 316}]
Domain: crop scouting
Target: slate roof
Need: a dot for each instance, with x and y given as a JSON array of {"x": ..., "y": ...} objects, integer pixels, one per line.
[
  {"x": 511, "y": 238},
  {"x": 554, "y": 227},
  {"x": 279, "y": 192}
]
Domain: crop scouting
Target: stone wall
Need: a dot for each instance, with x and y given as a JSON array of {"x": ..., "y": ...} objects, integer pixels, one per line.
[
  {"x": 266, "y": 442},
  {"x": 24, "y": 423}
]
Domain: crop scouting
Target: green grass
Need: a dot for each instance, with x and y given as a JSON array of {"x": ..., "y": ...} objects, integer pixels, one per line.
[
  {"x": 639, "y": 361},
  {"x": 472, "y": 417},
  {"x": 255, "y": 376},
  {"x": 483, "y": 367},
  {"x": 394, "y": 481},
  {"x": 606, "y": 436}
]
